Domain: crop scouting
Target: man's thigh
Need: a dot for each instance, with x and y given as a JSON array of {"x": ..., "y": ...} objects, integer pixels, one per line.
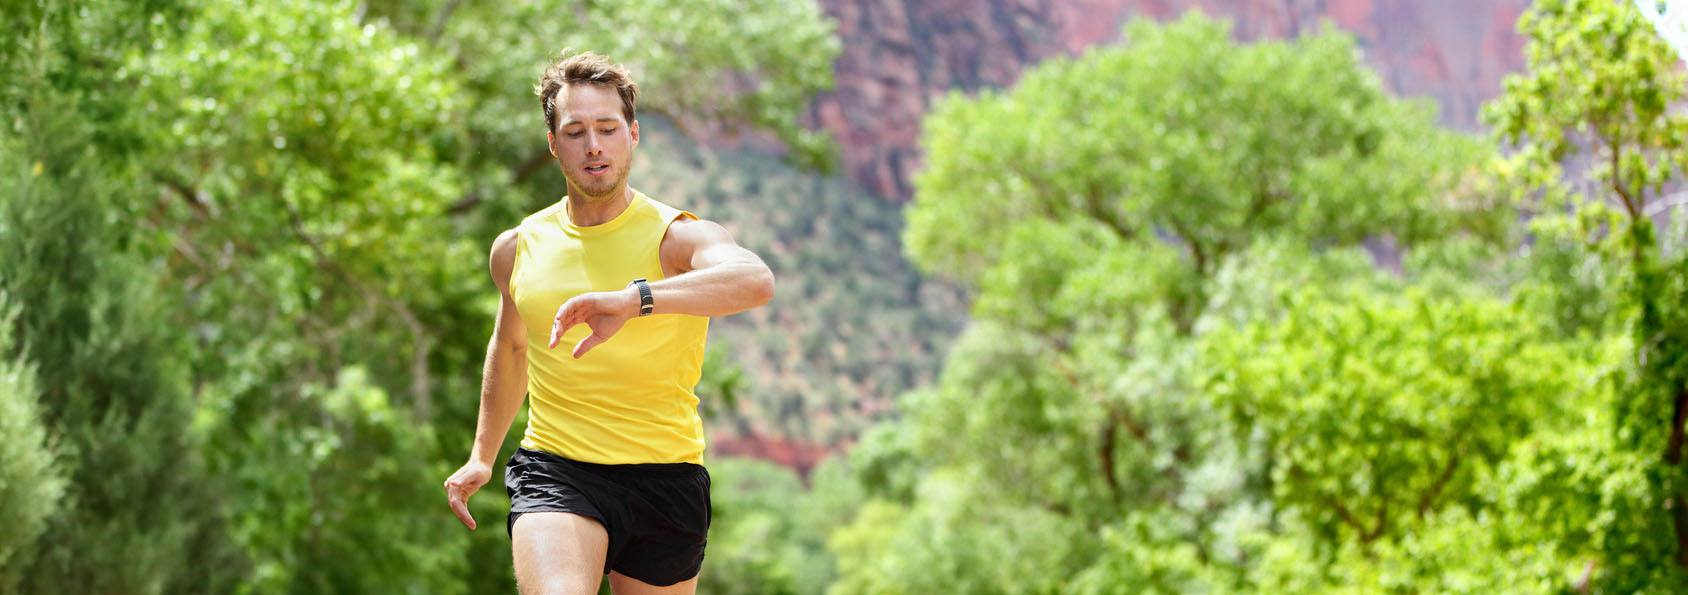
[
  {"x": 558, "y": 553},
  {"x": 622, "y": 584}
]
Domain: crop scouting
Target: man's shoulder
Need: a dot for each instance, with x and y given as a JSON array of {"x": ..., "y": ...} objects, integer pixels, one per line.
[
  {"x": 666, "y": 212},
  {"x": 550, "y": 212},
  {"x": 505, "y": 246}
]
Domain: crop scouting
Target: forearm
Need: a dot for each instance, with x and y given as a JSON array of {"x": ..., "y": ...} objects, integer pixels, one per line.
[
  {"x": 727, "y": 288},
  {"x": 503, "y": 384}
]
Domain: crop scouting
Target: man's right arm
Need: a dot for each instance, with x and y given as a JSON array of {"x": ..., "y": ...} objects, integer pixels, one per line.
[
  {"x": 504, "y": 377},
  {"x": 503, "y": 384}
]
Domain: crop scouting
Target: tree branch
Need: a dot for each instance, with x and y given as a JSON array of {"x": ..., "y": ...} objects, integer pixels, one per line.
[
  {"x": 189, "y": 194},
  {"x": 1118, "y": 417},
  {"x": 440, "y": 19},
  {"x": 1348, "y": 517},
  {"x": 1096, "y": 210},
  {"x": 1436, "y": 488},
  {"x": 1673, "y": 457},
  {"x": 1264, "y": 197},
  {"x": 531, "y": 166},
  {"x": 419, "y": 380},
  {"x": 1105, "y": 452},
  {"x": 1382, "y": 511},
  {"x": 1617, "y": 180},
  {"x": 1679, "y": 415},
  {"x": 518, "y": 174},
  {"x": 1196, "y": 249}
]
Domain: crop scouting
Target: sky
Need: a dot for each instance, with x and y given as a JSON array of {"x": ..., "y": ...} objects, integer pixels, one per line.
[{"x": 1670, "y": 17}]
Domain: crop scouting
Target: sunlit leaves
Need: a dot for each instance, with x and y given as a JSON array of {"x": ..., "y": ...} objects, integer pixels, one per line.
[{"x": 1182, "y": 135}]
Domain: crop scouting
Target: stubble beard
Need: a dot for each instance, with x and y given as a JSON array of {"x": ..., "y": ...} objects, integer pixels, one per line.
[{"x": 597, "y": 192}]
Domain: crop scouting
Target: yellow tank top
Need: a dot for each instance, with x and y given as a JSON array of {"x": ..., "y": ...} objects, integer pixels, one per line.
[{"x": 630, "y": 399}]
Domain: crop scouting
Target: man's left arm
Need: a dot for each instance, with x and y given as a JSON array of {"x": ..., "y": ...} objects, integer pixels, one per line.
[{"x": 714, "y": 276}]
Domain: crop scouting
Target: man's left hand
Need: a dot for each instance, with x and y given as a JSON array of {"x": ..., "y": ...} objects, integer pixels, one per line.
[{"x": 602, "y": 311}]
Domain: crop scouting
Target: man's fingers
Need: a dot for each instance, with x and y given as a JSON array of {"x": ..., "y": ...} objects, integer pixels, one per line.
[
  {"x": 460, "y": 506},
  {"x": 585, "y": 345},
  {"x": 577, "y": 314},
  {"x": 571, "y": 313},
  {"x": 557, "y": 327}
]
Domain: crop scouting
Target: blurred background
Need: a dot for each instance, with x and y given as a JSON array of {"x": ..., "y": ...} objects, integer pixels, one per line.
[{"x": 1083, "y": 296}]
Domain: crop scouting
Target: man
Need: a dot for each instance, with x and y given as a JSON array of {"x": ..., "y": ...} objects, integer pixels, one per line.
[{"x": 609, "y": 476}]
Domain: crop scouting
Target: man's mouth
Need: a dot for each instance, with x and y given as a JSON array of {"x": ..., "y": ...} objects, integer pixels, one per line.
[{"x": 598, "y": 170}]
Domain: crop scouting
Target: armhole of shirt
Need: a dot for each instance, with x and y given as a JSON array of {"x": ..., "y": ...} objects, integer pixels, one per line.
[
  {"x": 516, "y": 263},
  {"x": 669, "y": 216}
]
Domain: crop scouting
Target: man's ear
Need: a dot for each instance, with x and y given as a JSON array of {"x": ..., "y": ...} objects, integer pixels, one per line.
[
  {"x": 633, "y": 129},
  {"x": 551, "y": 143}
]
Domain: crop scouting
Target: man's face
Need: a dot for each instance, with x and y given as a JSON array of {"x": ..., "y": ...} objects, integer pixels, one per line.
[{"x": 593, "y": 141}]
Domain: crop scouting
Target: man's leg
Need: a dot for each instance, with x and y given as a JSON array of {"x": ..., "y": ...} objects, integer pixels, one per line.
[
  {"x": 558, "y": 553},
  {"x": 622, "y": 584}
]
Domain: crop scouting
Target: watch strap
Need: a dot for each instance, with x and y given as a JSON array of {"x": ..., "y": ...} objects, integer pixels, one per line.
[{"x": 646, "y": 304}]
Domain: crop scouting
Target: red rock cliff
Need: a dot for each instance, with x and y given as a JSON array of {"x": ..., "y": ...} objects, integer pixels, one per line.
[{"x": 902, "y": 55}]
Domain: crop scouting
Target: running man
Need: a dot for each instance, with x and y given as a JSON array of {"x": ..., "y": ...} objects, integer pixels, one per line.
[{"x": 607, "y": 296}]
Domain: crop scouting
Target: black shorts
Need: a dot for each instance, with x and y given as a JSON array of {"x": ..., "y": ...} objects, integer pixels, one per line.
[{"x": 657, "y": 515}]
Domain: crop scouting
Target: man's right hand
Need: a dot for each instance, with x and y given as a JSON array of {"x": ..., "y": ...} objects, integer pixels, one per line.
[{"x": 464, "y": 483}]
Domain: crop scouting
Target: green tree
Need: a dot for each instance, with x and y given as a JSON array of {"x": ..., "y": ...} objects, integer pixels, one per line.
[
  {"x": 1109, "y": 212},
  {"x": 140, "y": 511},
  {"x": 1134, "y": 204},
  {"x": 1183, "y": 134},
  {"x": 339, "y": 513},
  {"x": 247, "y": 245},
  {"x": 1598, "y": 93},
  {"x": 1385, "y": 415},
  {"x": 769, "y": 530},
  {"x": 1376, "y": 411},
  {"x": 29, "y": 481},
  {"x": 300, "y": 210}
]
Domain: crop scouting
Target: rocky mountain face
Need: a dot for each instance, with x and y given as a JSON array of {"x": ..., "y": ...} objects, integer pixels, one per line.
[{"x": 901, "y": 56}]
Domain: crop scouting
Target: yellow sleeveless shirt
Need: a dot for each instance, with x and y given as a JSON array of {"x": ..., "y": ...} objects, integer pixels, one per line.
[{"x": 630, "y": 399}]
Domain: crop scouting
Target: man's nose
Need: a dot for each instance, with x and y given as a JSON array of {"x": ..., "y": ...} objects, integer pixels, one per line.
[{"x": 593, "y": 147}]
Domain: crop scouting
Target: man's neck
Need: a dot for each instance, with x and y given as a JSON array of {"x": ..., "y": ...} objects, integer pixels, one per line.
[{"x": 586, "y": 211}]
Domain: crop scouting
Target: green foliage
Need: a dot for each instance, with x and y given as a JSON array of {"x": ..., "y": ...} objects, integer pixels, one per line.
[
  {"x": 301, "y": 212},
  {"x": 769, "y": 530},
  {"x": 1599, "y": 76},
  {"x": 1173, "y": 350},
  {"x": 1181, "y": 133},
  {"x": 1184, "y": 375},
  {"x": 1600, "y": 80},
  {"x": 301, "y": 207},
  {"x": 248, "y": 245},
  {"x": 1378, "y": 411},
  {"x": 29, "y": 482},
  {"x": 956, "y": 538},
  {"x": 140, "y": 513},
  {"x": 1241, "y": 320},
  {"x": 320, "y": 496}
]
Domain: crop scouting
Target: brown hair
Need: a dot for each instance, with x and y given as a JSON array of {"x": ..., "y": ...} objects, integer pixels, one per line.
[{"x": 584, "y": 68}]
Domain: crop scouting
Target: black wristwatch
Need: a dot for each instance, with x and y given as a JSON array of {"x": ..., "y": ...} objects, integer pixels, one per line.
[{"x": 646, "y": 305}]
